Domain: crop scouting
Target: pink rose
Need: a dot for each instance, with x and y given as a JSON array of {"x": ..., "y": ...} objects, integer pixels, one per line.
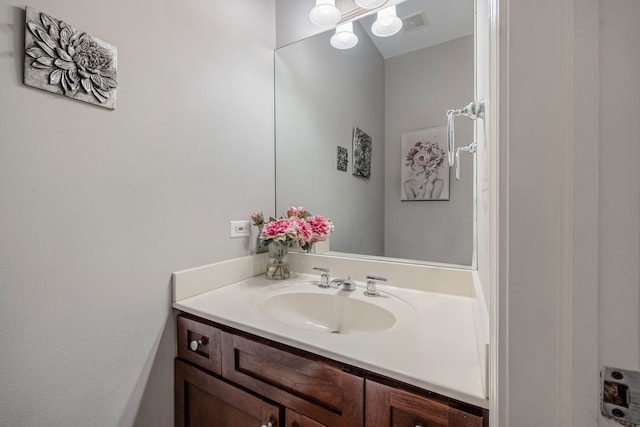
[
  {"x": 292, "y": 211},
  {"x": 277, "y": 230},
  {"x": 303, "y": 229},
  {"x": 257, "y": 217},
  {"x": 321, "y": 227}
]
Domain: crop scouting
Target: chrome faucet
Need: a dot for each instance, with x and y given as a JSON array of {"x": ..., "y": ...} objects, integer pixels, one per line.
[
  {"x": 324, "y": 277},
  {"x": 347, "y": 284},
  {"x": 372, "y": 291}
]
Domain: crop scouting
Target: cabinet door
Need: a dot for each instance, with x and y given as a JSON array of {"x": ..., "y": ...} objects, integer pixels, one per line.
[
  {"x": 318, "y": 389},
  {"x": 294, "y": 419},
  {"x": 387, "y": 406},
  {"x": 203, "y": 400}
]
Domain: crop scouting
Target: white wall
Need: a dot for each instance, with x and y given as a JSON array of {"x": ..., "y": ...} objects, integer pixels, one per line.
[
  {"x": 98, "y": 207},
  {"x": 292, "y": 21},
  {"x": 420, "y": 87},
  {"x": 322, "y": 93}
]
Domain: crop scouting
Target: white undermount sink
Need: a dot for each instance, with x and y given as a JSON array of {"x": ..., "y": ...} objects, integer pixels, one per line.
[{"x": 307, "y": 306}]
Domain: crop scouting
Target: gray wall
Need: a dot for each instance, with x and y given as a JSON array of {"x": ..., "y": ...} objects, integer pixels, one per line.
[
  {"x": 420, "y": 87},
  {"x": 98, "y": 207},
  {"x": 322, "y": 93}
]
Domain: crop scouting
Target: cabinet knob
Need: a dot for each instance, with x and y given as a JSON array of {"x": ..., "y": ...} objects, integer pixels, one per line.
[
  {"x": 267, "y": 424},
  {"x": 194, "y": 345}
]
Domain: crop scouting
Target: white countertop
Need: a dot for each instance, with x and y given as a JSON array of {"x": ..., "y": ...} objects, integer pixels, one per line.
[{"x": 435, "y": 349}]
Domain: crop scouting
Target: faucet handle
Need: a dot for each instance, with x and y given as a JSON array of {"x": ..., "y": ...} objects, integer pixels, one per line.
[
  {"x": 371, "y": 285},
  {"x": 324, "y": 277}
]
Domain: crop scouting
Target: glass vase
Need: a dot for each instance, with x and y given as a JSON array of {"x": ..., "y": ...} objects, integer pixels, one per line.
[{"x": 278, "y": 266}]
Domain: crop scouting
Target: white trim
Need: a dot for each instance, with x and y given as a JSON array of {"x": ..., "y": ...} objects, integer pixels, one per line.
[
  {"x": 585, "y": 363},
  {"x": 564, "y": 241},
  {"x": 498, "y": 295}
]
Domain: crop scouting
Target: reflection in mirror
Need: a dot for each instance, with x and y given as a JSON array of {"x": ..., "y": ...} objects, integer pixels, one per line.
[{"x": 383, "y": 87}]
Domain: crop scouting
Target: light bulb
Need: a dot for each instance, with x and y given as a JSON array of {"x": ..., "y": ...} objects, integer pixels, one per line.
[
  {"x": 344, "y": 38},
  {"x": 370, "y": 4},
  {"x": 325, "y": 13},
  {"x": 387, "y": 23}
]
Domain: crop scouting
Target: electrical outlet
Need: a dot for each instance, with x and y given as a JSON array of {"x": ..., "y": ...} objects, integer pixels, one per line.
[{"x": 240, "y": 228}]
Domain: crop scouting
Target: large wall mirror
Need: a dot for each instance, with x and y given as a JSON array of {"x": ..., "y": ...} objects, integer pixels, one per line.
[{"x": 385, "y": 87}]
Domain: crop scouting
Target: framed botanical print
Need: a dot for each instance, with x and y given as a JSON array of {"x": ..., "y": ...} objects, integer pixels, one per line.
[{"x": 424, "y": 170}]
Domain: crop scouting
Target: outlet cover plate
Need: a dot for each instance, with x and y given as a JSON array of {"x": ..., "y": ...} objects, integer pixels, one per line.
[{"x": 240, "y": 228}]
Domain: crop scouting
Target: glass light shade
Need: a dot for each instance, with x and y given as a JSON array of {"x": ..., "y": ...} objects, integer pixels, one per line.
[
  {"x": 387, "y": 23},
  {"x": 325, "y": 13},
  {"x": 370, "y": 4},
  {"x": 344, "y": 38}
]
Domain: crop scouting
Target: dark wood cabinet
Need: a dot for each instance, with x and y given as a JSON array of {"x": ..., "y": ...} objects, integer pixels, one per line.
[
  {"x": 203, "y": 400},
  {"x": 393, "y": 406},
  {"x": 320, "y": 389},
  {"x": 295, "y": 419},
  {"x": 232, "y": 379},
  {"x": 199, "y": 343}
]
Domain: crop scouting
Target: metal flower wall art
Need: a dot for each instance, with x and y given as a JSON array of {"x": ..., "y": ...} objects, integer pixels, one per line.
[
  {"x": 60, "y": 59},
  {"x": 343, "y": 159},
  {"x": 361, "y": 153}
]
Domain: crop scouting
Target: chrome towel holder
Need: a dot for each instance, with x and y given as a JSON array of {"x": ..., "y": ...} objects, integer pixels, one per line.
[{"x": 474, "y": 110}]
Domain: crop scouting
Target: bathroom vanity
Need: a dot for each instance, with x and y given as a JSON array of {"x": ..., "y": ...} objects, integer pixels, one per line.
[{"x": 255, "y": 352}]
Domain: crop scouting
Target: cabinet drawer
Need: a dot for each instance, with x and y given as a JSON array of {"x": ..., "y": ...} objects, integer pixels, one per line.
[
  {"x": 205, "y": 340},
  {"x": 316, "y": 388},
  {"x": 394, "y": 407}
]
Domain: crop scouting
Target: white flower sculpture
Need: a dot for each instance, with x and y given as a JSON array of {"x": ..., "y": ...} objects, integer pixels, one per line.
[{"x": 75, "y": 59}]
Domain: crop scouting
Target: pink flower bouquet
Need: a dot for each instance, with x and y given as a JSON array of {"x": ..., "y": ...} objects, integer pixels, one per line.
[
  {"x": 321, "y": 227},
  {"x": 285, "y": 230},
  {"x": 299, "y": 226}
]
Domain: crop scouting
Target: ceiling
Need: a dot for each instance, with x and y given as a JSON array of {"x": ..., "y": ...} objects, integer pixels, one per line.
[{"x": 445, "y": 20}]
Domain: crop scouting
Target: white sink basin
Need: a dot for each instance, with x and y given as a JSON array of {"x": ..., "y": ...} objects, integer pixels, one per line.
[{"x": 309, "y": 307}]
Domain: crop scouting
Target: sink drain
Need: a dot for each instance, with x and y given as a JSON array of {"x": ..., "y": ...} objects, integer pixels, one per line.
[{"x": 335, "y": 332}]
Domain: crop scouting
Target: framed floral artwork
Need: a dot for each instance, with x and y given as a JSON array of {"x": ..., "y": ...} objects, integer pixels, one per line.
[
  {"x": 424, "y": 169},
  {"x": 60, "y": 59},
  {"x": 361, "y": 153}
]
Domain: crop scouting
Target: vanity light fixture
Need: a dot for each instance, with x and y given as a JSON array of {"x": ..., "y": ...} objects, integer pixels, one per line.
[
  {"x": 387, "y": 23},
  {"x": 344, "y": 38},
  {"x": 370, "y": 4},
  {"x": 325, "y": 13}
]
